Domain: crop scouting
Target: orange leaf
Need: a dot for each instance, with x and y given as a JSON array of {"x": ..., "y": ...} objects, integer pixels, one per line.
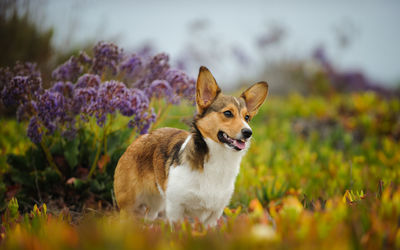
[
  {"x": 255, "y": 206},
  {"x": 103, "y": 161}
]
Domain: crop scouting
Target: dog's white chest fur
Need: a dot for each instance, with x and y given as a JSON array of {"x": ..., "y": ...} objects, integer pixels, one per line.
[{"x": 203, "y": 194}]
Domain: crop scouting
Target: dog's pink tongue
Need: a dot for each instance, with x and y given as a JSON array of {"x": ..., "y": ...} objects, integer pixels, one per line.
[{"x": 239, "y": 144}]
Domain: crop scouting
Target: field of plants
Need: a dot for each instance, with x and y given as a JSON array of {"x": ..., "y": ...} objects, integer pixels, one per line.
[{"x": 323, "y": 170}]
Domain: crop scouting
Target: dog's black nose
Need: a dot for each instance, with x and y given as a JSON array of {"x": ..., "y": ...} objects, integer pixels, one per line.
[{"x": 246, "y": 133}]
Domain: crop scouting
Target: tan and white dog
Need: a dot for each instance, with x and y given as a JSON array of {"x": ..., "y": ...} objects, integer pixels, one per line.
[{"x": 177, "y": 174}]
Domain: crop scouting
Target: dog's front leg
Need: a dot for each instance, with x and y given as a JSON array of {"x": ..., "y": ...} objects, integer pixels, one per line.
[
  {"x": 212, "y": 219},
  {"x": 174, "y": 211}
]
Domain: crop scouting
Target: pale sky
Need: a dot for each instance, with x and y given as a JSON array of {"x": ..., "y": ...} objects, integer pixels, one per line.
[{"x": 373, "y": 26}]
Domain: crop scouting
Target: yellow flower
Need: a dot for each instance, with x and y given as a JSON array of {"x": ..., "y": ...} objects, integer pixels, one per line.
[{"x": 263, "y": 232}]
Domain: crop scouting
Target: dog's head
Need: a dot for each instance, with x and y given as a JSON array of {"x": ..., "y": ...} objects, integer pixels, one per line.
[{"x": 224, "y": 119}]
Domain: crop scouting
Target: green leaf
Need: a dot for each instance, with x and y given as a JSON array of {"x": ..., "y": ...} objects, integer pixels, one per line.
[
  {"x": 36, "y": 158},
  {"x": 51, "y": 176},
  {"x": 114, "y": 161},
  {"x": 17, "y": 162},
  {"x": 13, "y": 208},
  {"x": 116, "y": 139},
  {"x": 79, "y": 184},
  {"x": 23, "y": 178},
  {"x": 96, "y": 186},
  {"x": 71, "y": 151},
  {"x": 57, "y": 148}
]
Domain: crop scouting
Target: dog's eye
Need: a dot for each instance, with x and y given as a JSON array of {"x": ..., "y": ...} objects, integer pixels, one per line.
[
  {"x": 247, "y": 118},
  {"x": 228, "y": 114}
]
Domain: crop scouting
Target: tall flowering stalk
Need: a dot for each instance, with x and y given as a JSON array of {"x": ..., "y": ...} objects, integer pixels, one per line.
[{"x": 86, "y": 88}]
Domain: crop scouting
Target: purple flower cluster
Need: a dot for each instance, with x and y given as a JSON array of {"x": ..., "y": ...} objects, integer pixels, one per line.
[
  {"x": 94, "y": 93},
  {"x": 34, "y": 132},
  {"x": 113, "y": 96},
  {"x": 19, "y": 69},
  {"x": 156, "y": 78},
  {"x": 52, "y": 109},
  {"x": 147, "y": 73},
  {"x": 348, "y": 80},
  {"x": 106, "y": 56},
  {"x": 64, "y": 88},
  {"x": 21, "y": 89},
  {"x": 88, "y": 81},
  {"x": 69, "y": 71},
  {"x": 143, "y": 124},
  {"x": 182, "y": 85},
  {"x": 131, "y": 66}
]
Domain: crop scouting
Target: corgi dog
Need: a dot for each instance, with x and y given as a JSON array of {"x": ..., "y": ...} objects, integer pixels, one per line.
[{"x": 178, "y": 174}]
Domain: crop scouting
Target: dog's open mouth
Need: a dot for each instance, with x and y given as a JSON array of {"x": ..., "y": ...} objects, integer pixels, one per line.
[{"x": 233, "y": 143}]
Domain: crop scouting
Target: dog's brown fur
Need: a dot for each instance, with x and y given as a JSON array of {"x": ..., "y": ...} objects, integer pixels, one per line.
[{"x": 141, "y": 171}]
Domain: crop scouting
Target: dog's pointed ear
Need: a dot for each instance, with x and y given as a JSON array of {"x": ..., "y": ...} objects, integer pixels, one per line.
[
  {"x": 255, "y": 97},
  {"x": 206, "y": 89}
]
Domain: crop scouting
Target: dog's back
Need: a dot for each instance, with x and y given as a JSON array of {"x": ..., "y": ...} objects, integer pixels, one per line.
[{"x": 141, "y": 171}]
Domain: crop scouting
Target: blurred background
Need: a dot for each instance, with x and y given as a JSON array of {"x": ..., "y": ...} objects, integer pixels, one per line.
[{"x": 283, "y": 42}]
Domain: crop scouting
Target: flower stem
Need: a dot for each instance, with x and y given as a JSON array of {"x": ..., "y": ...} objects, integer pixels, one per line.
[
  {"x": 49, "y": 157},
  {"x": 160, "y": 115},
  {"x": 106, "y": 129},
  {"x": 105, "y": 136},
  {"x": 103, "y": 144},
  {"x": 94, "y": 164}
]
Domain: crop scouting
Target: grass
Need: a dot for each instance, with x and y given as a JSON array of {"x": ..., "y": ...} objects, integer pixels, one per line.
[{"x": 322, "y": 172}]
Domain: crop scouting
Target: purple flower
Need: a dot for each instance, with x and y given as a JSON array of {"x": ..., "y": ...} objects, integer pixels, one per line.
[
  {"x": 131, "y": 66},
  {"x": 52, "y": 108},
  {"x": 64, "y": 88},
  {"x": 151, "y": 119},
  {"x": 158, "y": 66},
  {"x": 83, "y": 100},
  {"x": 88, "y": 80},
  {"x": 320, "y": 56},
  {"x": 20, "y": 90},
  {"x": 26, "y": 110},
  {"x": 134, "y": 103},
  {"x": 84, "y": 58},
  {"x": 126, "y": 108},
  {"x": 106, "y": 56},
  {"x": 66, "y": 116},
  {"x": 5, "y": 77},
  {"x": 181, "y": 83},
  {"x": 69, "y": 71},
  {"x": 33, "y": 131},
  {"x": 139, "y": 100},
  {"x": 26, "y": 69},
  {"x": 58, "y": 107},
  {"x": 27, "y": 83},
  {"x": 347, "y": 80},
  {"x": 160, "y": 88},
  {"x": 109, "y": 96},
  {"x": 15, "y": 91},
  {"x": 176, "y": 77},
  {"x": 146, "y": 50},
  {"x": 143, "y": 122}
]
